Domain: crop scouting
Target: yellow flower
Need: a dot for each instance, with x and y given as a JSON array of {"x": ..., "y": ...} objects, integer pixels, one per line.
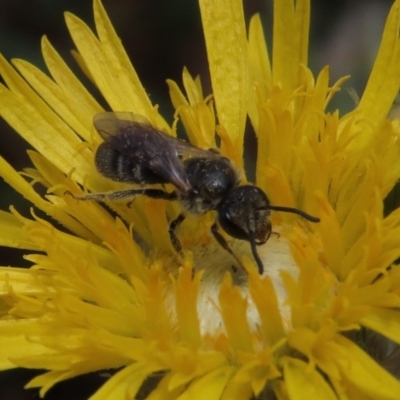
[{"x": 106, "y": 289}]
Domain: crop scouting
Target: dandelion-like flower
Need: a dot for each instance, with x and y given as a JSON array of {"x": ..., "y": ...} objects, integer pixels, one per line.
[{"x": 108, "y": 291}]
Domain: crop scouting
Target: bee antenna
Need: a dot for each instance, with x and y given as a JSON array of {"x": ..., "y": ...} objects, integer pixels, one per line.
[{"x": 293, "y": 211}]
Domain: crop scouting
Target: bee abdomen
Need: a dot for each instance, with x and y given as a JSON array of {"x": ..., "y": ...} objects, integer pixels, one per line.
[{"x": 116, "y": 166}]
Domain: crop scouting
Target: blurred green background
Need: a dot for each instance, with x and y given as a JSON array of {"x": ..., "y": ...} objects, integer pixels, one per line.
[{"x": 161, "y": 37}]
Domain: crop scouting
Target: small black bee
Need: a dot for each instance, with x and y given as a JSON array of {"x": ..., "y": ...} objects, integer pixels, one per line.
[{"x": 133, "y": 151}]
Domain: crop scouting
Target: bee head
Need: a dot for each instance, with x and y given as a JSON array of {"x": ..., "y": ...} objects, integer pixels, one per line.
[{"x": 244, "y": 214}]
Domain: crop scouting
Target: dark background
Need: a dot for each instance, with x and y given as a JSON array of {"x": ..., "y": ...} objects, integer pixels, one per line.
[{"x": 161, "y": 37}]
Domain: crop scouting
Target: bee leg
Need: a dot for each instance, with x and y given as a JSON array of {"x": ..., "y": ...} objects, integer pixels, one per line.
[
  {"x": 158, "y": 194},
  {"x": 224, "y": 244},
  {"x": 172, "y": 227},
  {"x": 124, "y": 194}
]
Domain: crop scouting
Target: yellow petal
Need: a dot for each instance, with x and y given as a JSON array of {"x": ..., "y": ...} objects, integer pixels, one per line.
[
  {"x": 252, "y": 377},
  {"x": 208, "y": 387},
  {"x": 82, "y": 104},
  {"x": 259, "y": 66},
  {"x": 234, "y": 308},
  {"x": 67, "y": 96},
  {"x": 123, "y": 385},
  {"x": 15, "y": 344},
  {"x": 384, "y": 321},
  {"x": 186, "y": 291},
  {"x": 225, "y": 35},
  {"x": 330, "y": 233},
  {"x": 237, "y": 390},
  {"x": 264, "y": 296},
  {"x": 196, "y": 113},
  {"x": 109, "y": 65},
  {"x": 23, "y": 187},
  {"x": 37, "y": 123},
  {"x": 193, "y": 90},
  {"x": 23, "y": 281},
  {"x": 363, "y": 372},
  {"x": 163, "y": 391},
  {"x": 305, "y": 383},
  {"x": 47, "y": 380},
  {"x": 384, "y": 80},
  {"x": 12, "y": 234},
  {"x": 290, "y": 42}
]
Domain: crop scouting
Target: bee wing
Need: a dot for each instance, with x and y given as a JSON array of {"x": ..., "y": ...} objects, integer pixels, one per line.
[
  {"x": 111, "y": 123},
  {"x": 134, "y": 137}
]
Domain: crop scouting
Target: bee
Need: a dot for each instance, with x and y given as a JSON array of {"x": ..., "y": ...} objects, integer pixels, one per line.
[{"x": 135, "y": 152}]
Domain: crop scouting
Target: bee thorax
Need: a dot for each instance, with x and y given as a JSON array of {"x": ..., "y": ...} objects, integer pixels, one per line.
[{"x": 211, "y": 180}]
